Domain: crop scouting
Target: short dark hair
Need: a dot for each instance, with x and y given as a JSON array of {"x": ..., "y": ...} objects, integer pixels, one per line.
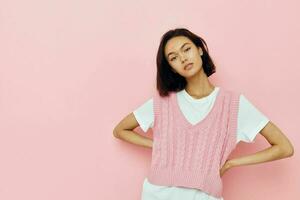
[{"x": 166, "y": 79}]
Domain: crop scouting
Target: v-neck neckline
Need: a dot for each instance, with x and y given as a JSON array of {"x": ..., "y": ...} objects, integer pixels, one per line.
[{"x": 183, "y": 119}]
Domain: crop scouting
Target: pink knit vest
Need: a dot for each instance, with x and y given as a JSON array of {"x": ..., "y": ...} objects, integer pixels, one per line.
[{"x": 189, "y": 155}]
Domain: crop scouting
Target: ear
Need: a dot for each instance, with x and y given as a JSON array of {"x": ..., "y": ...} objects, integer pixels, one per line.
[{"x": 200, "y": 51}]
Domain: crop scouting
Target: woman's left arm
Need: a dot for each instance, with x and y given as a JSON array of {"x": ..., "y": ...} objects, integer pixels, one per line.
[{"x": 280, "y": 148}]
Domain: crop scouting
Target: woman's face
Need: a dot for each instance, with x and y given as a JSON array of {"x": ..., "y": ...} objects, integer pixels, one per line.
[{"x": 181, "y": 51}]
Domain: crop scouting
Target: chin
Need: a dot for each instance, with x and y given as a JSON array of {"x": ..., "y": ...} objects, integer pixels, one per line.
[
  {"x": 194, "y": 70},
  {"x": 189, "y": 74}
]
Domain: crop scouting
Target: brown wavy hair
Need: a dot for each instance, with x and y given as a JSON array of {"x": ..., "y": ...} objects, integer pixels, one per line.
[{"x": 166, "y": 79}]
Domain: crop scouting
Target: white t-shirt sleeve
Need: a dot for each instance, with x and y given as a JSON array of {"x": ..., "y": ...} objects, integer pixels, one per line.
[
  {"x": 250, "y": 121},
  {"x": 144, "y": 115}
]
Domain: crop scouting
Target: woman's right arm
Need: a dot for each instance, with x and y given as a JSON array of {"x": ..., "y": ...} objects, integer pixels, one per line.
[{"x": 125, "y": 131}]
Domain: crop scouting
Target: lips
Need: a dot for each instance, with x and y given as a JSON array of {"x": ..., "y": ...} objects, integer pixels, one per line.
[{"x": 187, "y": 65}]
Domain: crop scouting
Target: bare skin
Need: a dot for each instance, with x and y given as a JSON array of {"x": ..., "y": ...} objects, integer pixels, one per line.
[{"x": 198, "y": 86}]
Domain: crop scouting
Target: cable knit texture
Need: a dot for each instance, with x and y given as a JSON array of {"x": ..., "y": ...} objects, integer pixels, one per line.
[{"x": 190, "y": 155}]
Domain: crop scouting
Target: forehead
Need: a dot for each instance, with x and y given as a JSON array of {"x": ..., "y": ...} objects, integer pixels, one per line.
[{"x": 175, "y": 43}]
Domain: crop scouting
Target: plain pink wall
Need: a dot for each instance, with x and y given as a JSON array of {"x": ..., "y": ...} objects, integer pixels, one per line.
[{"x": 71, "y": 70}]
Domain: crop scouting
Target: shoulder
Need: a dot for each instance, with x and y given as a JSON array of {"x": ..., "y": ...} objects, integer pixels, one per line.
[
  {"x": 231, "y": 92},
  {"x": 158, "y": 97}
]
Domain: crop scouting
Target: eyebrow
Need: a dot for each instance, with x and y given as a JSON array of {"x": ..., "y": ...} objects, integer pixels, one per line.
[{"x": 180, "y": 48}]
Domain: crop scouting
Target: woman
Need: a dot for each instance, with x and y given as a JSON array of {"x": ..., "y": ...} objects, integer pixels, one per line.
[{"x": 196, "y": 125}]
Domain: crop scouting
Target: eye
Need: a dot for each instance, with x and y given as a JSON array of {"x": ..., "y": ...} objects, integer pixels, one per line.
[
  {"x": 187, "y": 49},
  {"x": 173, "y": 58}
]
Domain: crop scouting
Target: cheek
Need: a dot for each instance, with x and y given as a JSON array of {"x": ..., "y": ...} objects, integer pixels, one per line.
[
  {"x": 196, "y": 57},
  {"x": 178, "y": 66},
  {"x": 175, "y": 64},
  {"x": 194, "y": 54}
]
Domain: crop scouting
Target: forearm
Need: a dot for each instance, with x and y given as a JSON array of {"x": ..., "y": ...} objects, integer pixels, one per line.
[
  {"x": 269, "y": 154},
  {"x": 135, "y": 138}
]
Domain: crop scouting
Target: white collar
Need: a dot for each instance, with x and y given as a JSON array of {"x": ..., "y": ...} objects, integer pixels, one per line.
[{"x": 190, "y": 98}]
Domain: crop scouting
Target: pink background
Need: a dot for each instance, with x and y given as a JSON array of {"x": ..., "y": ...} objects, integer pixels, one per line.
[{"x": 71, "y": 70}]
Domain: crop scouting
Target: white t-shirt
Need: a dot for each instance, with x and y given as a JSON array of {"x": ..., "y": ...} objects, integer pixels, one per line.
[{"x": 250, "y": 121}]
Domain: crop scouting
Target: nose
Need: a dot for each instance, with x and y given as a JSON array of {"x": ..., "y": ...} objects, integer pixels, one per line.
[{"x": 183, "y": 59}]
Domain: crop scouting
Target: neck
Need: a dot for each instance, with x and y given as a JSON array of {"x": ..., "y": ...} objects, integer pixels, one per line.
[{"x": 198, "y": 86}]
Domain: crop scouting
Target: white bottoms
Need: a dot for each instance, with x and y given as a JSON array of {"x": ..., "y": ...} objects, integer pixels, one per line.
[{"x": 157, "y": 192}]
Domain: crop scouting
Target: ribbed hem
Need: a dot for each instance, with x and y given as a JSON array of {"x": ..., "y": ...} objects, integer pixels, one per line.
[{"x": 189, "y": 179}]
